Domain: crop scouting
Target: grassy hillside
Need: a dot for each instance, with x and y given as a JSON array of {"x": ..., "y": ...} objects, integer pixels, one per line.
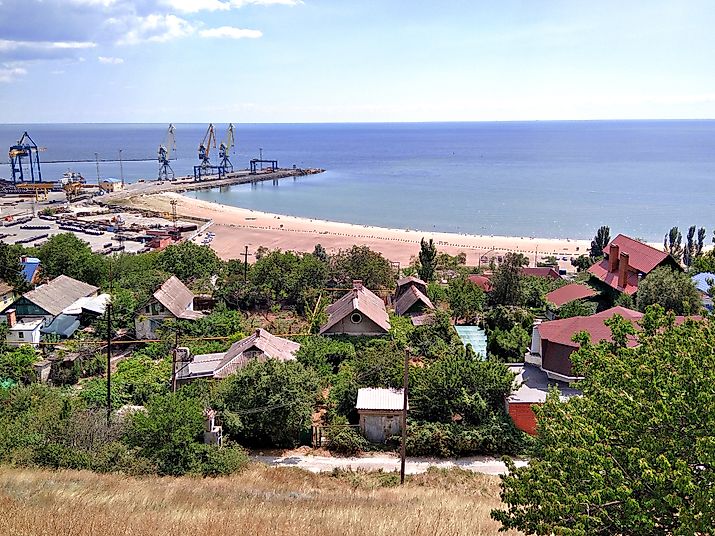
[{"x": 260, "y": 500}]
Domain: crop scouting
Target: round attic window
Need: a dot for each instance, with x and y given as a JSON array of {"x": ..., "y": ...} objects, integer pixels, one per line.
[{"x": 356, "y": 318}]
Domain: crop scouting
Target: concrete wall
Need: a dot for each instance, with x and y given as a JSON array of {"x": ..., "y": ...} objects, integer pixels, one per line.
[
  {"x": 377, "y": 426},
  {"x": 18, "y": 337}
]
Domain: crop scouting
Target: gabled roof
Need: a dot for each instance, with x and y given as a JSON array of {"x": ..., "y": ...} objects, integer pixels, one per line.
[
  {"x": 641, "y": 258},
  {"x": 4, "y": 287},
  {"x": 409, "y": 280},
  {"x": 59, "y": 293},
  {"x": 410, "y": 298},
  {"x": 561, "y": 331},
  {"x": 541, "y": 272},
  {"x": 177, "y": 298},
  {"x": 380, "y": 399},
  {"x": 358, "y": 299},
  {"x": 569, "y": 293},
  {"x": 272, "y": 347},
  {"x": 483, "y": 282},
  {"x": 29, "y": 268}
]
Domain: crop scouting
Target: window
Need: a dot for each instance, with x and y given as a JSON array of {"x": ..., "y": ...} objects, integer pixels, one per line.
[
  {"x": 356, "y": 318},
  {"x": 20, "y": 334}
]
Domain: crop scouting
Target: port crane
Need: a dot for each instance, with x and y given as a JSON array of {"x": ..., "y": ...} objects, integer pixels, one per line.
[
  {"x": 224, "y": 149},
  {"x": 166, "y": 150},
  {"x": 25, "y": 148},
  {"x": 205, "y": 147}
]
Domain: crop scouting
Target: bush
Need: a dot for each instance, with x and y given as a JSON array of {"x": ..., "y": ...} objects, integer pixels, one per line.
[
  {"x": 345, "y": 439},
  {"x": 324, "y": 355},
  {"x": 222, "y": 461}
]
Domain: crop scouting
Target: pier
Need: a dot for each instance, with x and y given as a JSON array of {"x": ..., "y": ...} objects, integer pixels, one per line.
[{"x": 186, "y": 184}]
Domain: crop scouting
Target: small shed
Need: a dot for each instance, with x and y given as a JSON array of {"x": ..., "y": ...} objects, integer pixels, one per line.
[{"x": 380, "y": 413}]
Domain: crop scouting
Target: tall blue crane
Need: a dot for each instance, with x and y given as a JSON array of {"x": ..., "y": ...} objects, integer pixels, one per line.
[
  {"x": 164, "y": 155},
  {"x": 25, "y": 148}
]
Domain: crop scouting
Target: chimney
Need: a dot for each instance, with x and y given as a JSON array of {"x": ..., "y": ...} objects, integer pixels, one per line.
[
  {"x": 357, "y": 284},
  {"x": 622, "y": 270},
  {"x": 11, "y": 318},
  {"x": 613, "y": 258}
]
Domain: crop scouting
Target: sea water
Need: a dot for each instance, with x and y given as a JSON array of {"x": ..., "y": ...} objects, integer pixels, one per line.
[{"x": 545, "y": 179}]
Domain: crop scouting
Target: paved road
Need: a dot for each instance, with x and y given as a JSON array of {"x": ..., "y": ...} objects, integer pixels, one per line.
[{"x": 318, "y": 464}]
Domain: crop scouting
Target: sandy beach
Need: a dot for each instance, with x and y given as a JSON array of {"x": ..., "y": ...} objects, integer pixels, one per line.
[{"x": 235, "y": 228}]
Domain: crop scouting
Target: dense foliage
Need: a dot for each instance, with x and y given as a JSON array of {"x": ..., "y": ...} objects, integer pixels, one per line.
[
  {"x": 633, "y": 455},
  {"x": 671, "y": 289}
]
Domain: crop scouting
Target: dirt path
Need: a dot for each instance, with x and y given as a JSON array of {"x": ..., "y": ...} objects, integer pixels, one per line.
[{"x": 319, "y": 464}]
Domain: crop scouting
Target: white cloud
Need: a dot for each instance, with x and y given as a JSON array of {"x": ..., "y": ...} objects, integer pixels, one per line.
[
  {"x": 109, "y": 60},
  {"x": 155, "y": 28},
  {"x": 10, "y": 74},
  {"x": 194, "y": 6},
  {"x": 230, "y": 32},
  {"x": 8, "y": 45}
]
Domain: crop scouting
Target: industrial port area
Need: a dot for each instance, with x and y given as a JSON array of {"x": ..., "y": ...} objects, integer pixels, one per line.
[{"x": 101, "y": 213}]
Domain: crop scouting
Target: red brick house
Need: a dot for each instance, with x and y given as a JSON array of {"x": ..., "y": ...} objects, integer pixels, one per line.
[
  {"x": 627, "y": 261},
  {"x": 541, "y": 271}
]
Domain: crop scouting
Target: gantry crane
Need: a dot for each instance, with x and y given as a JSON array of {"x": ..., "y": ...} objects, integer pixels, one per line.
[
  {"x": 224, "y": 149},
  {"x": 166, "y": 150},
  {"x": 25, "y": 148},
  {"x": 205, "y": 147}
]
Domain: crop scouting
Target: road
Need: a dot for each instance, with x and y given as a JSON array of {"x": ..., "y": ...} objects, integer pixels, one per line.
[{"x": 319, "y": 464}]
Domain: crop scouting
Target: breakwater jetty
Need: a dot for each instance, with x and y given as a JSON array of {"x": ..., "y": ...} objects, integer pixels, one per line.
[{"x": 186, "y": 184}]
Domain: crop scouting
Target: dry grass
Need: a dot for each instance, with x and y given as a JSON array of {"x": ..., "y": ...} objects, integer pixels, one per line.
[{"x": 260, "y": 500}]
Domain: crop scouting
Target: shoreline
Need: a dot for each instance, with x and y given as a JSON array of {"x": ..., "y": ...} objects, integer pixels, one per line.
[{"x": 236, "y": 227}]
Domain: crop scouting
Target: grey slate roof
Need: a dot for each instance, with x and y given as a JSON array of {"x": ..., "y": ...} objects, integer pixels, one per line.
[
  {"x": 370, "y": 398},
  {"x": 358, "y": 299},
  {"x": 59, "y": 293},
  {"x": 177, "y": 298},
  {"x": 271, "y": 346},
  {"x": 410, "y": 298}
]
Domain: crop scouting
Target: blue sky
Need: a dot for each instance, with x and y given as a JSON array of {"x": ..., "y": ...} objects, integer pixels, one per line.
[{"x": 343, "y": 60}]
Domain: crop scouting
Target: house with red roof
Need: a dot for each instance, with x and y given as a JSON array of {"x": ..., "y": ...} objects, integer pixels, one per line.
[
  {"x": 567, "y": 294},
  {"x": 541, "y": 271},
  {"x": 482, "y": 281},
  {"x": 552, "y": 344},
  {"x": 627, "y": 261}
]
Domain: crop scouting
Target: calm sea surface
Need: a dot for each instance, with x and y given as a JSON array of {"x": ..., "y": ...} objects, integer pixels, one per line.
[{"x": 547, "y": 179}]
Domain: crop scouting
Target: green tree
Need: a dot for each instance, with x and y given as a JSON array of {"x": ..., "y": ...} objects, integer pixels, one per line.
[
  {"x": 507, "y": 280},
  {"x": 10, "y": 267},
  {"x": 600, "y": 241},
  {"x": 634, "y": 455},
  {"x": 701, "y": 242},
  {"x": 466, "y": 299},
  {"x": 320, "y": 253},
  {"x": 16, "y": 364},
  {"x": 673, "y": 243},
  {"x": 360, "y": 262},
  {"x": 169, "y": 433},
  {"x": 189, "y": 261},
  {"x": 267, "y": 403},
  {"x": 703, "y": 263},
  {"x": 582, "y": 263},
  {"x": 671, "y": 289},
  {"x": 690, "y": 247},
  {"x": 576, "y": 308},
  {"x": 65, "y": 254},
  {"x": 428, "y": 260},
  {"x": 324, "y": 354}
]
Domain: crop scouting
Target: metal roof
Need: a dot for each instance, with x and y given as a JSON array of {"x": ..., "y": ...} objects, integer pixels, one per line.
[
  {"x": 358, "y": 299},
  {"x": 569, "y": 293},
  {"x": 29, "y": 267},
  {"x": 370, "y": 398},
  {"x": 93, "y": 304},
  {"x": 177, "y": 298},
  {"x": 59, "y": 293},
  {"x": 62, "y": 325},
  {"x": 701, "y": 281},
  {"x": 271, "y": 346},
  {"x": 411, "y": 296},
  {"x": 410, "y": 279}
]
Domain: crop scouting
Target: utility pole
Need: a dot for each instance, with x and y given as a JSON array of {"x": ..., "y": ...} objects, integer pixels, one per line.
[
  {"x": 121, "y": 167},
  {"x": 109, "y": 350},
  {"x": 173, "y": 360},
  {"x": 404, "y": 416},
  {"x": 173, "y": 212},
  {"x": 245, "y": 266}
]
